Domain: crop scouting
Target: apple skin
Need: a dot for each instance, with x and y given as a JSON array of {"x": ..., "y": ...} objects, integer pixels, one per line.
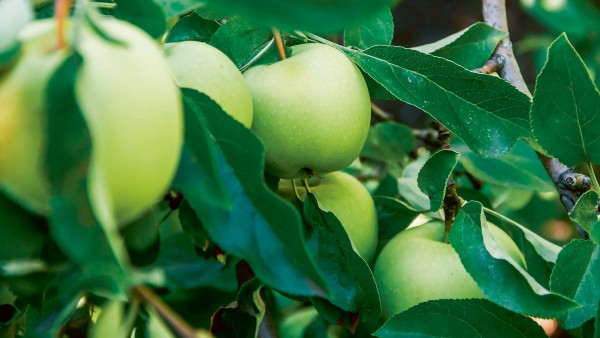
[
  {"x": 344, "y": 196},
  {"x": 131, "y": 105},
  {"x": 202, "y": 67},
  {"x": 312, "y": 111},
  {"x": 417, "y": 266}
]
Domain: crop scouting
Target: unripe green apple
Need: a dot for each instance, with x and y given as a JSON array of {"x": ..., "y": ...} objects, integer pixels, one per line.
[
  {"x": 344, "y": 196},
  {"x": 131, "y": 106},
  {"x": 416, "y": 266},
  {"x": 202, "y": 67},
  {"x": 312, "y": 111}
]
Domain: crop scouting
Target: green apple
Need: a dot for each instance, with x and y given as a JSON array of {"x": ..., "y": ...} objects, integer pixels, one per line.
[
  {"x": 202, "y": 67},
  {"x": 312, "y": 111},
  {"x": 416, "y": 266},
  {"x": 344, "y": 196},
  {"x": 131, "y": 106}
]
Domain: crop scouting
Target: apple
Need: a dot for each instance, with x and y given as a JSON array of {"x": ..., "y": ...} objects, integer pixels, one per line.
[
  {"x": 416, "y": 266},
  {"x": 202, "y": 67},
  {"x": 131, "y": 105},
  {"x": 344, "y": 196},
  {"x": 312, "y": 111}
]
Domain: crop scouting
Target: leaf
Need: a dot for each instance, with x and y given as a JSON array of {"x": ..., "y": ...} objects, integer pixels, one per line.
[
  {"x": 393, "y": 216},
  {"x": 577, "y": 275},
  {"x": 585, "y": 213},
  {"x": 388, "y": 186},
  {"x": 16, "y": 14},
  {"x": 388, "y": 142},
  {"x": 434, "y": 176},
  {"x": 241, "y": 42},
  {"x": 486, "y": 112},
  {"x": 243, "y": 317},
  {"x": 146, "y": 14},
  {"x": 499, "y": 281},
  {"x": 260, "y": 227},
  {"x": 408, "y": 186},
  {"x": 348, "y": 276},
  {"x": 316, "y": 16},
  {"x": 192, "y": 27},
  {"x": 375, "y": 30},
  {"x": 109, "y": 321},
  {"x": 459, "y": 318},
  {"x": 470, "y": 48},
  {"x": 518, "y": 169},
  {"x": 578, "y": 18},
  {"x": 20, "y": 235},
  {"x": 68, "y": 156},
  {"x": 566, "y": 103},
  {"x": 175, "y": 8}
]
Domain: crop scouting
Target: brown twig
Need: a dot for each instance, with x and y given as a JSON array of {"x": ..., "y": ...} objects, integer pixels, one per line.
[
  {"x": 279, "y": 43},
  {"x": 569, "y": 184},
  {"x": 179, "y": 326}
]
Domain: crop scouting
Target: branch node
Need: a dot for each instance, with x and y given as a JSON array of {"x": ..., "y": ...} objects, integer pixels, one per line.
[{"x": 574, "y": 181}]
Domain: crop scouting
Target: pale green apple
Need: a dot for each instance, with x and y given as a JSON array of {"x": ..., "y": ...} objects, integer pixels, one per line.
[
  {"x": 131, "y": 105},
  {"x": 416, "y": 266},
  {"x": 312, "y": 111},
  {"x": 344, "y": 196},
  {"x": 202, "y": 67}
]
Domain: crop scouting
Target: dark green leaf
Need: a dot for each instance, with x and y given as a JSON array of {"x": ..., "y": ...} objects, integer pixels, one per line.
[
  {"x": 334, "y": 315},
  {"x": 585, "y": 214},
  {"x": 388, "y": 186},
  {"x": 393, "y": 216},
  {"x": 498, "y": 279},
  {"x": 174, "y": 8},
  {"x": 68, "y": 155},
  {"x": 375, "y": 30},
  {"x": 20, "y": 235},
  {"x": 463, "y": 318},
  {"x": 434, "y": 176},
  {"x": 578, "y": 18},
  {"x": 565, "y": 105},
  {"x": 388, "y": 142},
  {"x": 9, "y": 53},
  {"x": 192, "y": 225},
  {"x": 241, "y": 42},
  {"x": 260, "y": 227},
  {"x": 577, "y": 275},
  {"x": 518, "y": 169},
  {"x": 348, "y": 276},
  {"x": 316, "y": 16},
  {"x": 470, "y": 48},
  {"x": 242, "y": 318},
  {"x": 486, "y": 112},
  {"x": 146, "y": 14},
  {"x": 192, "y": 27}
]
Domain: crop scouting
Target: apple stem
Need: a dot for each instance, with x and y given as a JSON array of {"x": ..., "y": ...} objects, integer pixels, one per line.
[
  {"x": 279, "y": 42},
  {"x": 61, "y": 11},
  {"x": 295, "y": 190},
  {"x": 305, "y": 184}
]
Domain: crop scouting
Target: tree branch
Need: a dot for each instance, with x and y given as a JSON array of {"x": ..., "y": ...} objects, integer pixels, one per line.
[{"x": 569, "y": 184}]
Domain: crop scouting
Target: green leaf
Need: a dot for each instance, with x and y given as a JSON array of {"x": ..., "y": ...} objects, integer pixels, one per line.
[
  {"x": 192, "y": 27},
  {"x": 388, "y": 186},
  {"x": 348, "y": 276},
  {"x": 260, "y": 227},
  {"x": 175, "y": 8},
  {"x": 68, "y": 156},
  {"x": 486, "y": 112},
  {"x": 585, "y": 214},
  {"x": 463, "y": 318},
  {"x": 146, "y": 14},
  {"x": 242, "y": 42},
  {"x": 393, "y": 216},
  {"x": 470, "y": 48},
  {"x": 242, "y": 318},
  {"x": 518, "y": 169},
  {"x": 20, "y": 235},
  {"x": 16, "y": 15},
  {"x": 578, "y": 18},
  {"x": 565, "y": 105},
  {"x": 315, "y": 16},
  {"x": 434, "y": 176},
  {"x": 577, "y": 275},
  {"x": 500, "y": 281},
  {"x": 109, "y": 321},
  {"x": 375, "y": 30},
  {"x": 388, "y": 142},
  {"x": 408, "y": 186}
]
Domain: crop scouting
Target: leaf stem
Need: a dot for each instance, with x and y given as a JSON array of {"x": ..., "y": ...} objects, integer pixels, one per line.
[
  {"x": 593, "y": 176},
  {"x": 257, "y": 56},
  {"x": 279, "y": 42}
]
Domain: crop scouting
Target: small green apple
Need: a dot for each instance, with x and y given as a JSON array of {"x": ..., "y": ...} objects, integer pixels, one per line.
[
  {"x": 202, "y": 67},
  {"x": 344, "y": 196},
  {"x": 312, "y": 111},
  {"x": 132, "y": 109},
  {"x": 416, "y": 266}
]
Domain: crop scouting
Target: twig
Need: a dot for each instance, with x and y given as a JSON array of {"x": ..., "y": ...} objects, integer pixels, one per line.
[
  {"x": 380, "y": 113},
  {"x": 179, "y": 326},
  {"x": 569, "y": 184}
]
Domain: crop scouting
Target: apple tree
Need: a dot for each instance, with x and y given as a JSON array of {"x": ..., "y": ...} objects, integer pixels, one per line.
[{"x": 238, "y": 168}]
